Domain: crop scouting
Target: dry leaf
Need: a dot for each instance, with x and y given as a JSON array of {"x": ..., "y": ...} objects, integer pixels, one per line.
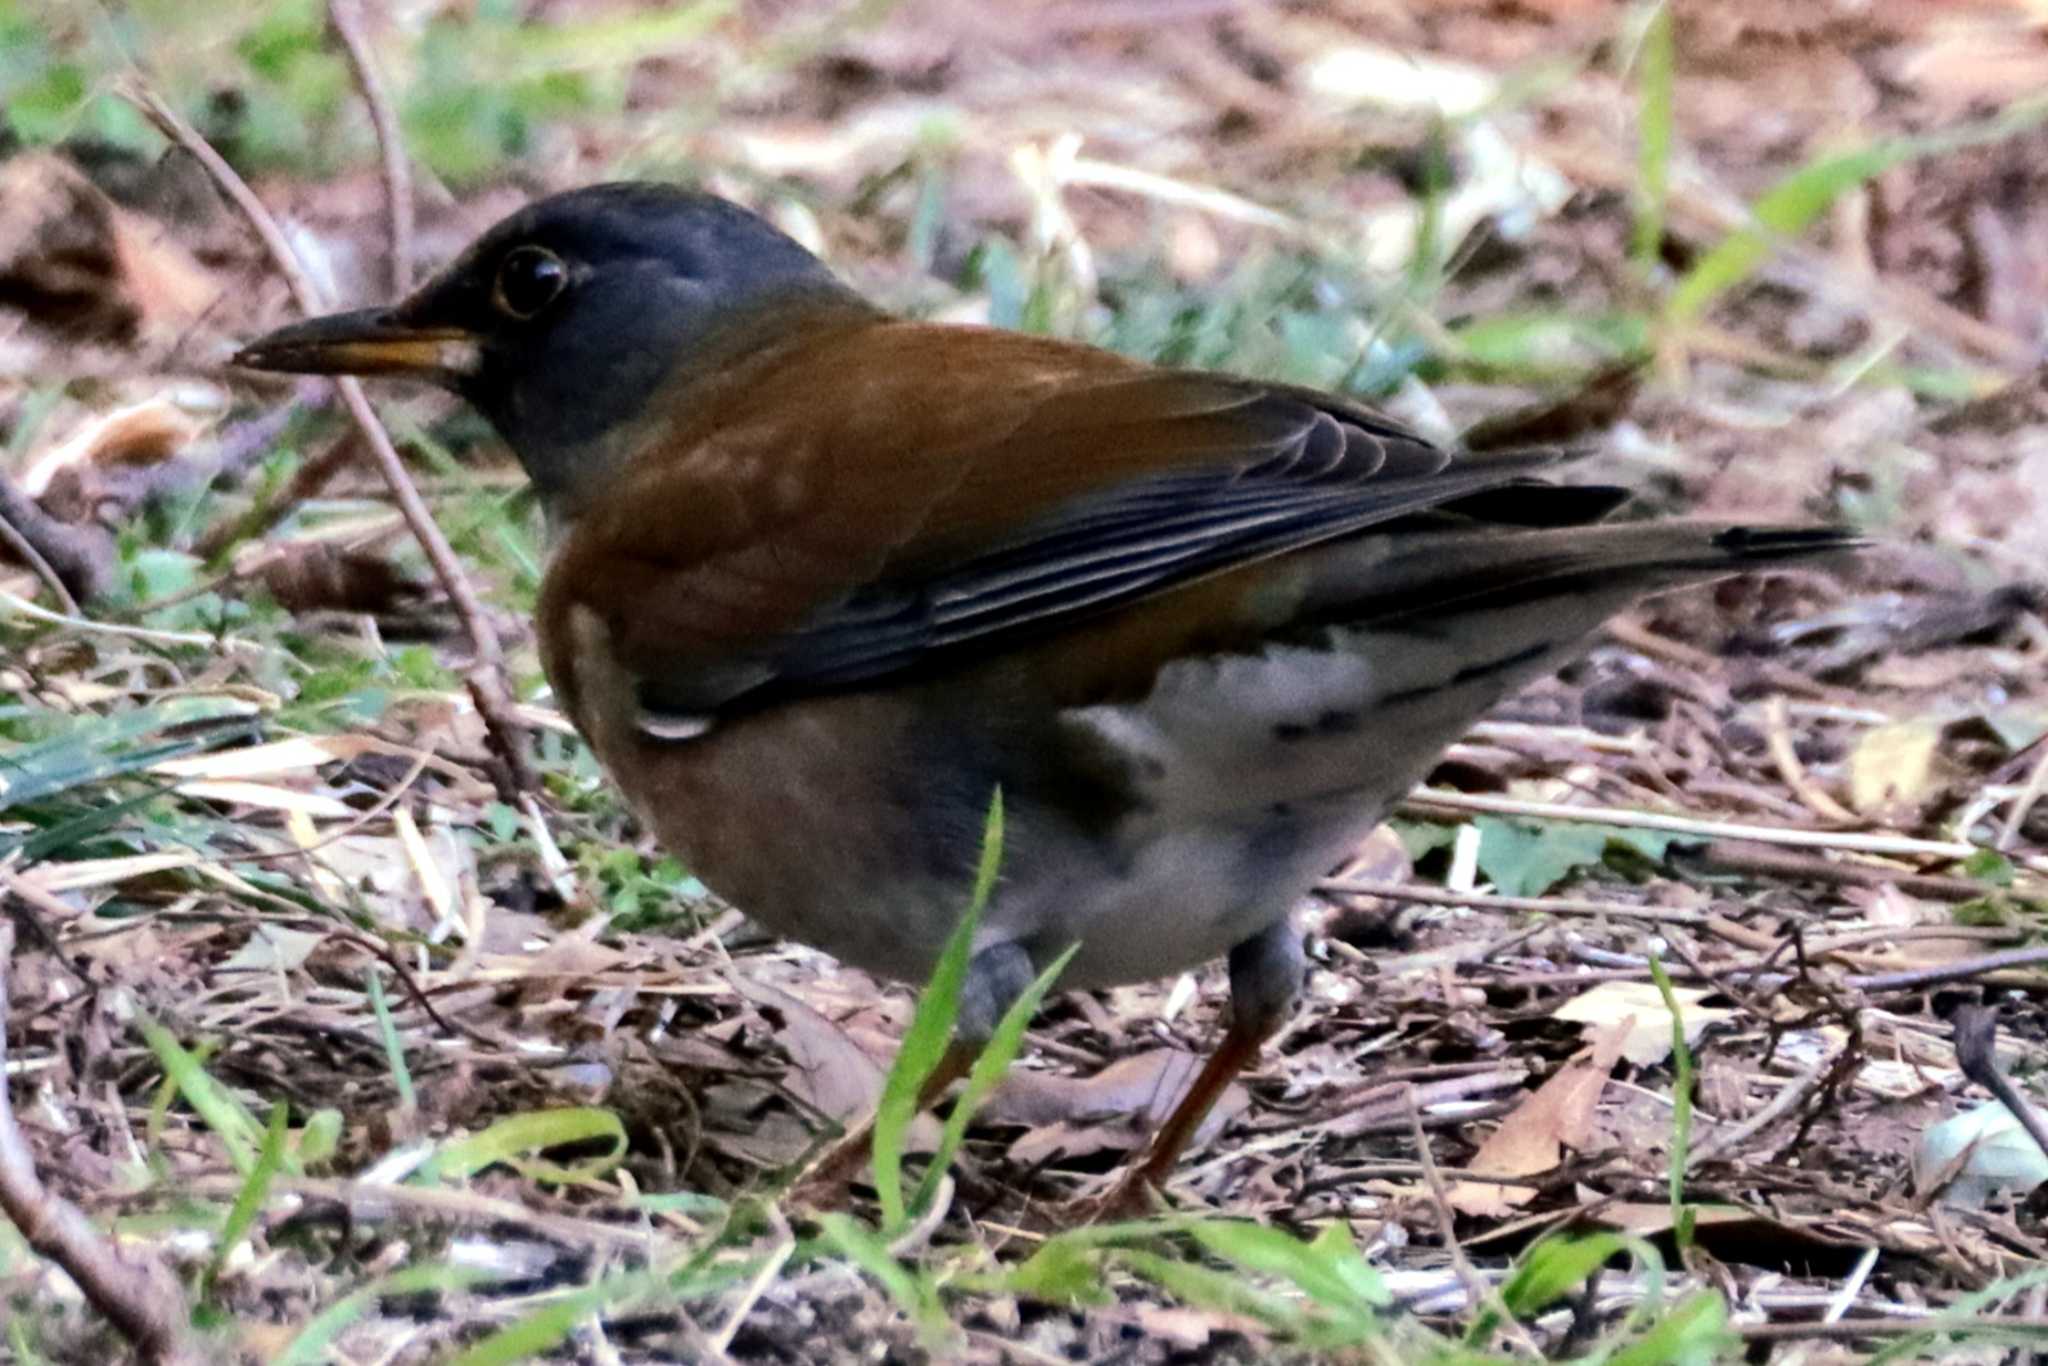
[
  {"x": 308, "y": 576},
  {"x": 274, "y": 948},
  {"x": 76, "y": 261},
  {"x": 832, "y": 1072},
  {"x": 1114, "y": 1110},
  {"x": 1533, "y": 1136},
  {"x": 145, "y": 433},
  {"x": 1647, "y": 1039},
  {"x": 1895, "y": 765}
]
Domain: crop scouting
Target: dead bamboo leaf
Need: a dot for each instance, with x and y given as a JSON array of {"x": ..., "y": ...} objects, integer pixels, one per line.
[
  {"x": 1533, "y": 1137},
  {"x": 1647, "y": 1039}
]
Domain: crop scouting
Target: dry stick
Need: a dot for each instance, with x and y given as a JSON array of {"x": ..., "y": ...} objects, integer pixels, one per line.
[
  {"x": 137, "y": 1294},
  {"x": 1738, "y": 856},
  {"x": 1789, "y": 1098},
  {"x": 2037, "y": 783},
  {"x": 483, "y": 678},
  {"x": 1488, "y": 901},
  {"x": 72, "y": 561},
  {"x": 347, "y": 18},
  {"x": 1964, "y": 971},
  {"x": 1435, "y": 801},
  {"x": 25, "y": 550},
  {"x": 1852, "y": 1330},
  {"x": 371, "y": 1203},
  {"x": 1476, "y": 1286},
  {"x": 1778, "y": 736}
]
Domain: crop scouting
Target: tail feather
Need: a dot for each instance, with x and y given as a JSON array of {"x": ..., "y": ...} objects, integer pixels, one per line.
[
  {"x": 1774, "y": 544},
  {"x": 1397, "y": 576}
]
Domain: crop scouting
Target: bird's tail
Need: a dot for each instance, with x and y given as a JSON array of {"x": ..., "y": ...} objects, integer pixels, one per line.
[
  {"x": 1780, "y": 544},
  {"x": 1603, "y": 567}
]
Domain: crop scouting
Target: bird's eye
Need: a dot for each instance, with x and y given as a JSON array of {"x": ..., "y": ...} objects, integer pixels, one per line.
[{"x": 529, "y": 278}]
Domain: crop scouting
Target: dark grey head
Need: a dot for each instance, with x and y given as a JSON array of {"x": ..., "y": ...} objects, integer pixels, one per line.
[{"x": 566, "y": 319}]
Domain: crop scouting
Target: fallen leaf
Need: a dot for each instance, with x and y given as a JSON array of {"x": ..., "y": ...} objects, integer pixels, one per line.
[
  {"x": 274, "y": 948},
  {"x": 1988, "y": 1149},
  {"x": 1115, "y": 1110},
  {"x": 832, "y": 1072},
  {"x": 1647, "y": 1039},
  {"x": 1533, "y": 1136},
  {"x": 1895, "y": 765},
  {"x": 145, "y": 433},
  {"x": 309, "y": 576},
  {"x": 73, "y": 258}
]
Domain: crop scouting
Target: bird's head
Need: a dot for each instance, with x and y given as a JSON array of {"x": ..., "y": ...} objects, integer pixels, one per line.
[{"x": 569, "y": 320}]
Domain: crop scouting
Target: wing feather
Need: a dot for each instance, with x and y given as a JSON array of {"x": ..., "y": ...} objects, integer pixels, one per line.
[{"x": 963, "y": 490}]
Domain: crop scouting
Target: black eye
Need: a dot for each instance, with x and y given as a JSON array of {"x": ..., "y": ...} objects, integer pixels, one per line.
[{"x": 529, "y": 278}]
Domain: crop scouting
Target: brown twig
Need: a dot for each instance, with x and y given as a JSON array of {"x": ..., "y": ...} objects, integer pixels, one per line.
[
  {"x": 138, "y": 1295},
  {"x": 1476, "y": 1286},
  {"x": 347, "y": 18},
  {"x": 71, "y": 561},
  {"x": 1736, "y": 856},
  {"x": 306, "y": 481},
  {"x": 1789, "y": 1098},
  {"x": 1855, "y": 1330},
  {"x": 485, "y": 676},
  {"x": 23, "y": 549},
  {"x": 1778, "y": 737},
  {"x": 1968, "y": 969},
  {"x": 75, "y": 559},
  {"x": 2022, "y": 804},
  {"x": 1489, "y": 901}
]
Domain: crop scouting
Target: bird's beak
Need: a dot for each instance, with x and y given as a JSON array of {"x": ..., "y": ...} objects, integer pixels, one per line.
[{"x": 370, "y": 341}]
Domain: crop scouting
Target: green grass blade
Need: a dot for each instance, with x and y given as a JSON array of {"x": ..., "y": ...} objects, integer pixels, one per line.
[
  {"x": 1681, "y": 1112},
  {"x": 931, "y": 1027},
  {"x": 989, "y": 1066},
  {"x": 1791, "y": 205},
  {"x": 1329, "y": 1270},
  {"x": 313, "y": 1343},
  {"x": 1555, "y": 1268},
  {"x": 227, "y": 1117},
  {"x": 910, "y": 1288},
  {"x": 548, "y": 1327},
  {"x": 94, "y": 749},
  {"x": 1206, "y": 1288},
  {"x": 394, "y": 1047},
  {"x": 1655, "y": 63},
  {"x": 249, "y": 1199},
  {"x": 1694, "y": 1333},
  {"x": 511, "y": 1141}
]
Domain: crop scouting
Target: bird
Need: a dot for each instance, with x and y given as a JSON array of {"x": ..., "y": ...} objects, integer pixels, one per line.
[{"x": 823, "y": 581}]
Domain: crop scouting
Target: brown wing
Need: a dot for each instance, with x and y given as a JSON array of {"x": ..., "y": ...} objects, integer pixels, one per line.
[{"x": 887, "y": 498}]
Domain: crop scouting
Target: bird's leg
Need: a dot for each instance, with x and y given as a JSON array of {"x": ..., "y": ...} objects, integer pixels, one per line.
[
  {"x": 1266, "y": 974},
  {"x": 996, "y": 977}
]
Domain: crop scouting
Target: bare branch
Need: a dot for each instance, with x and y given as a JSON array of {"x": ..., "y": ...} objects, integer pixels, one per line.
[
  {"x": 485, "y": 676},
  {"x": 42, "y": 542},
  {"x": 347, "y": 18}
]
